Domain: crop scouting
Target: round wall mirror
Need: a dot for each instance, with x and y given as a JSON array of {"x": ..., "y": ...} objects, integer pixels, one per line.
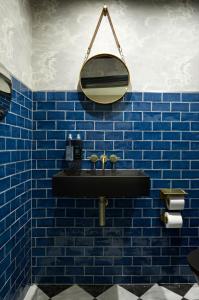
[
  {"x": 5, "y": 91},
  {"x": 104, "y": 78}
]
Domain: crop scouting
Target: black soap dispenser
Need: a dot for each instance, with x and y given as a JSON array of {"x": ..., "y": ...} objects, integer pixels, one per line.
[
  {"x": 77, "y": 148},
  {"x": 70, "y": 149}
]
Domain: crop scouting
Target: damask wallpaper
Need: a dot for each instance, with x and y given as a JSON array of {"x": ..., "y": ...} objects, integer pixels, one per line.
[
  {"x": 159, "y": 39},
  {"x": 16, "y": 38}
]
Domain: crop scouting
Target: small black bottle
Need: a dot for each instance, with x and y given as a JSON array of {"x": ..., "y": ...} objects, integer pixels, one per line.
[{"x": 77, "y": 148}]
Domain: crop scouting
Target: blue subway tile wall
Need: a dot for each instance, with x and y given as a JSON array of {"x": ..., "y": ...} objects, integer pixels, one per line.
[
  {"x": 156, "y": 132},
  {"x": 15, "y": 194}
]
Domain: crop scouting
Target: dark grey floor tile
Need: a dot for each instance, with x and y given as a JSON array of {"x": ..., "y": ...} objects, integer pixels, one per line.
[
  {"x": 137, "y": 290},
  {"x": 53, "y": 290},
  {"x": 95, "y": 290}
]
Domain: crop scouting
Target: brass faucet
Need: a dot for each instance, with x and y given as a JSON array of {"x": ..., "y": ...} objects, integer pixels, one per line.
[{"x": 104, "y": 159}]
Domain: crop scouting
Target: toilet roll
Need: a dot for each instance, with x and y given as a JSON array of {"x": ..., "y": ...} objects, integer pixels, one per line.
[
  {"x": 175, "y": 203},
  {"x": 174, "y": 219}
]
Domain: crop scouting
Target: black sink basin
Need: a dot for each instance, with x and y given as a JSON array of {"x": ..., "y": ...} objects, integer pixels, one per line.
[{"x": 95, "y": 183}]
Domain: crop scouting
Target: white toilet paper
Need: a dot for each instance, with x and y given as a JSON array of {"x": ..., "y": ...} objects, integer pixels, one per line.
[
  {"x": 175, "y": 203},
  {"x": 174, "y": 220}
]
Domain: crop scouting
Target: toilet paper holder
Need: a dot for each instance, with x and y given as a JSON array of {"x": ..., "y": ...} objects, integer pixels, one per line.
[
  {"x": 166, "y": 194},
  {"x": 163, "y": 218}
]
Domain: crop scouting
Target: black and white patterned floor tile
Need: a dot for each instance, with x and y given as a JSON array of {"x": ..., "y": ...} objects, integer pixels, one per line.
[{"x": 119, "y": 292}]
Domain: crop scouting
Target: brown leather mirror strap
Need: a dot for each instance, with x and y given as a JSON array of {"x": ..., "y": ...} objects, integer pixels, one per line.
[{"x": 104, "y": 13}]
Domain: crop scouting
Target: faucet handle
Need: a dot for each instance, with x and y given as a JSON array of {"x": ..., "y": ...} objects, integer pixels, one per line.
[
  {"x": 93, "y": 158},
  {"x": 113, "y": 158}
]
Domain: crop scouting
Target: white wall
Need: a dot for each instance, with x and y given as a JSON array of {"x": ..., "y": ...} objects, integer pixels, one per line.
[
  {"x": 16, "y": 38},
  {"x": 160, "y": 41}
]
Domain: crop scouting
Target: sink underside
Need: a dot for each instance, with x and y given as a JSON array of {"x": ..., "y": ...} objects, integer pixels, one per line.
[{"x": 95, "y": 183}]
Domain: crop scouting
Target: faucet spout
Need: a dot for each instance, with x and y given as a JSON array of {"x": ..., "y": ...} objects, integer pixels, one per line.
[{"x": 104, "y": 160}]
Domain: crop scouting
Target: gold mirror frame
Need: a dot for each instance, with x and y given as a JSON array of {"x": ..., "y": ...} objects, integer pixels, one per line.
[
  {"x": 5, "y": 91},
  {"x": 107, "y": 98}
]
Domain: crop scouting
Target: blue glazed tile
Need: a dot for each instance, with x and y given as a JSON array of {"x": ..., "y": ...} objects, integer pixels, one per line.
[
  {"x": 62, "y": 105},
  {"x": 170, "y": 116},
  {"x": 46, "y": 106},
  {"x": 139, "y": 261},
  {"x": 123, "y": 126},
  {"x": 132, "y": 116},
  {"x": 144, "y": 222},
  {"x": 152, "y": 97},
  {"x": 194, "y": 145},
  {"x": 103, "y": 261},
  {"x": 123, "y": 222},
  {"x": 152, "y": 155},
  {"x": 116, "y": 270},
  {"x": 93, "y": 270},
  {"x": 194, "y": 107},
  {"x": 122, "y": 145},
  {"x": 65, "y": 125},
  {"x": 180, "y": 107},
  {"x": 181, "y": 126},
  {"x": 103, "y": 125},
  {"x": 39, "y": 96},
  {"x": 129, "y": 270},
  {"x": 180, "y": 164},
  {"x": 143, "y": 125},
  {"x": 171, "y": 97},
  {"x": 193, "y": 155},
  {"x": 190, "y": 97},
  {"x": 56, "y": 115},
  {"x": 48, "y": 125},
  {"x": 143, "y": 164},
  {"x": 94, "y": 116},
  {"x": 114, "y": 135},
  {"x": 84, "y": 105},
  {"x": 132, "y": 155},
  {"x": 171, "y": 136},
  {"x": 192, "y": 116},
  {"x": 172, "y": 174},
  {"x": 195, "y": 126},
  {"x": 133, "y": 135},
  {"x": 161, "y": 145},
  {"x": 152, "y": 135},
  {"x": 171, "y": 155},
  {"x": 75, "y": 96},
  {"x": 101, "y": 107},
  {"x": 103, "y": 280},
  {"x": 133, "y": 97},
  {"x": 95, "y": 135},
  {"x": 11, "y": 119},
  {"x": 122, "y": 106},
  {"x": 85, "y": 125},
  {"x": 74, "y": 115},
  {"x": 160, "y": 106},
  {"x": 180, "y": 145},
  {"x": 94, "y": 251},
  {"x": 54, "y": 96},
  {"x": 113, "y": 116},
  {"x": 142, "y": 145},
  {"x": 152, "y": 116},
  {"x": 141, "y": 106},
  {"x": 190, "y": 136},
  {"x": 104, "y": 145}
]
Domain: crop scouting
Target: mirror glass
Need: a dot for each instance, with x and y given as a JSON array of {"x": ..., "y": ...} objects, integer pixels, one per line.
[
  {"x": 5, "y": 91},
  {"x": 104, "y": 78}
]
